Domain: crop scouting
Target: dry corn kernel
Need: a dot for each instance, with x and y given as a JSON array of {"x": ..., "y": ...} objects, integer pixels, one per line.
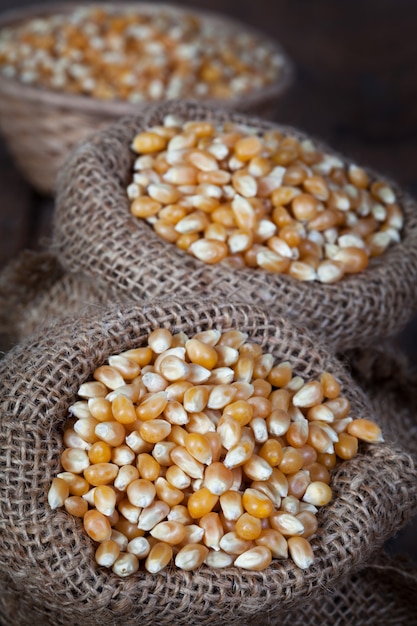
[
  {"x": 97, "y": 526},
  {"x": 77, "y": 485},
  {"x": 265, "y": 210},
  {"x": 365, "y": 430},
  {"x": 58, "y": 493},
  {"x": 249, "y": 471},
  {"x": 159, "y": 557},
  {"x": 301, "y": 552},
  {"x": 201, "y": 502}
]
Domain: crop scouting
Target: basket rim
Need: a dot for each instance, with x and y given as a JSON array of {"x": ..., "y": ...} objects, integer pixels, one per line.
[{"x": 119, "y": 108}]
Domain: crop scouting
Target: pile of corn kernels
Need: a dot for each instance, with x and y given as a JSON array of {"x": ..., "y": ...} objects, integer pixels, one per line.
[
  {"x": 115, "y": 53},
  {"x": 203, "y": 450},
  {"x": 261, "y": 200}
]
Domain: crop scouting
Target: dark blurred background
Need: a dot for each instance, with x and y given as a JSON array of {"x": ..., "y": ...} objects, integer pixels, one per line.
[{"x": 355, "y": 87}]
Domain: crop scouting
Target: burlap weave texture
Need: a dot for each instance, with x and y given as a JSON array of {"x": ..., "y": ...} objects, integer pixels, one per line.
[
  {"x": 95, "y": 234},
  {"x": 389, "y": 379},
  {"x": 47, "y": 553}
]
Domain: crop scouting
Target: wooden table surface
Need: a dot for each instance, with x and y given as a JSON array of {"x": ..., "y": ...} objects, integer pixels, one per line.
[{"x": 355, "y": 87}]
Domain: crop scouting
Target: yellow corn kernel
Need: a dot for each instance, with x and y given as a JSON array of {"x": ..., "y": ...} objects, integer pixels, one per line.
[
  {"x": 58, "y": 493},
  {"x": 318, "y": 493},
  {"x": 100, "y": 452},
  {"x": 155, "y": 430},
  {"x": 238, "y": 454},
  {"x": 347, "y": 446},
  {"x": 97, "y": 526},
  {"x": 93, "y": 389},
  {"x": 158, "y": 558},
  {"x": 125, "y": 565},
  {"x": 148, "y": 466},
  {"x": 77, "y": 485},
  {"x": 256, "y": 559},
  {"x": 139, "y": 546},
  {"x": 318, "y": 471},
  {"x": 286, "y": 523},
  {"x": 271, "y": 451},
  {"x": 272, "y": 539},
  {"x": 298, "y": 482},
  {"x": 72, "y": 439},
  {"x": 213, "y": 530},
  {"x": 101, "y": 473},
  {"x": 141, "y": 356},
  {"x": 74, "y": 460},
  {"x": 105, "y": 499},
  {"x": 365, "y": 430},
  {"x": 187, "y": 462},
  {"x": 280, "y": 375},
  {"x": 113, "y": 433},
  {"x": 233, "y": 544},
  {"x": 218, "y": 478},
  {"x": 169, "y": 532},
  {"x": 148, "y": 142},
  {"x": 76, "y": 505},
  {"x": 123, "y": 410},
  {"x": 152, "y": 515},
  {"x": 199, "y": 447},
  {"x": 167, "y": 492},
  {"x": 248, "y": 527},
  {"x": 152, "y": 407},
  {"x": 85, "y": 428},
  {"x": 248, "y": 148},
  {"x": 309, "y": 521},
  {"x": 331, "y": 387},
  {"x": 201, "y": 502},
  {"x": 177, "y": 477},
  {"x": 141, "y": 492},
  {"x": 301, "y": 552},
  {"x": 340, "y": 407},
  {"x": 128, "y": 530},
  {"x": 191, "y": 556},
  {"x": 257, "y": 503},
  {"x": 129, "y": 511},
  {"x": 107, "y": 553}
]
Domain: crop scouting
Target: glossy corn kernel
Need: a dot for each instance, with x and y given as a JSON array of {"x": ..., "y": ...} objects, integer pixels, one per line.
[
  {"x": 365, "y": 430},
  {"x": 97, "y": 526},
  {"x": 101, "y": 473},
  {"x": 159, "y": 557}
]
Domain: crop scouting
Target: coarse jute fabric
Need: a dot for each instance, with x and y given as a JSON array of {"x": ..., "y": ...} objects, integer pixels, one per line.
[
  {"x": 47, "y": 569},
  {"x": 383, "y": 593},
  {"x": 35, "y": 290},
  {"x": 389, "y": 378},
  {"x": 64, "y": 119},
  {"x": 96, "y": 235}
]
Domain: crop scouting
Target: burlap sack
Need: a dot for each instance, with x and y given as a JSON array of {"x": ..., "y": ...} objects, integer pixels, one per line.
[
  {"x": 383, "y": 593},
  {"x": 47, "y": 569},
  {"x": 95, "y": 234},
  {"x": 35, "y": 290},
  {"x": 390, "y": 380}
]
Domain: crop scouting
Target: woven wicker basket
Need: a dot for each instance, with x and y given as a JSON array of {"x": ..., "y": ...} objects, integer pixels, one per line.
[
  {"x": 41, "y": 126},
  {"x": 375, "y": 493}
]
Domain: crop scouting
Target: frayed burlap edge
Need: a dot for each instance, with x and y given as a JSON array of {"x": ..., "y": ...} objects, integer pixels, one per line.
[
  {"x": 95, "y": 234},
  {"x": 47, "y": 565}
]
